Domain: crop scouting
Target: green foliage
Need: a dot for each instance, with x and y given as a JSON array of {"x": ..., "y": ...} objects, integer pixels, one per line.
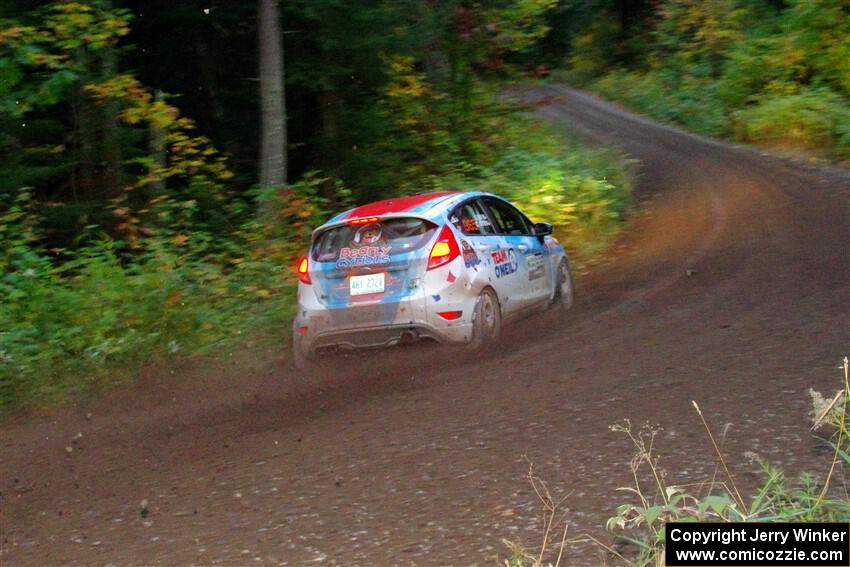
[
  {"x": 820, "y": 37},
  {"x": 765, "y": 73},
  {"x": 75, "y": 328},
  {"x": 812, "y": 120},
  {"x": 41, "y": 62},
  {"x": 693, "y": 102},
  {"x": 591, "y": 54},
  {"x": 584, "y": 192}
]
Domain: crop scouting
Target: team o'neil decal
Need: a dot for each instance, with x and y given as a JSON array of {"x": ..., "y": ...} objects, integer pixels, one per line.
[
  {"x": 505, "y": 261},
  {"x": 363, "y": 256}
]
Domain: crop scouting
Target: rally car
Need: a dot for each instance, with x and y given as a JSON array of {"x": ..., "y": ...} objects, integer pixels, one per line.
[{"x": 449, "y": 266}]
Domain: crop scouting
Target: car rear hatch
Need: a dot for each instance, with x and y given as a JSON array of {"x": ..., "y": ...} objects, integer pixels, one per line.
[{"x": 370, "y": 262}]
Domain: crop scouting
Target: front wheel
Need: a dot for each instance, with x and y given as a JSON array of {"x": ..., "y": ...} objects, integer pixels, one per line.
[
  {"x": 486, "y": 319},
  {"x": 564, "y": 288}
]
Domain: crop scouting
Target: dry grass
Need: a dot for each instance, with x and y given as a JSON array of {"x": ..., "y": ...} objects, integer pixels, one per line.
[{"x": 656, "y": 501}]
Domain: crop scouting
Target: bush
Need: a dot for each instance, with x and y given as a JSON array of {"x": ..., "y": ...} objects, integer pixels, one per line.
[
  {"x": 583, "y": 191},
  {"x": 96, "y": 317},
  {"x": 815, "y": 120},
  {"x": 691, "y": 102},
  {"x": 811, "y": 120}
]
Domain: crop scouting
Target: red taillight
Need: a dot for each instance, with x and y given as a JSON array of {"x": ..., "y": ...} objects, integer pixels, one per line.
[
  {"x": 450, "y": 315},
  {"x": 303, "y": 273},
  {"x": 444, "y": 250}
]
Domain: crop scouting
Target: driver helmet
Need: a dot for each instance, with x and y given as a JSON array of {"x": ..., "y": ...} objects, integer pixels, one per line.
[{"x": 368, "y": 234}]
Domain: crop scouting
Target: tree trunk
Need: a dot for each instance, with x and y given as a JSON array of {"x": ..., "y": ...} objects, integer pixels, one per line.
[
  {"x": 272, "y": 96},
  {"x": 85, "y": 133},
  {"x": 157, "y": 149},
  {"x": 328, "y": 152},
  {"x": 111, "y": 134}
]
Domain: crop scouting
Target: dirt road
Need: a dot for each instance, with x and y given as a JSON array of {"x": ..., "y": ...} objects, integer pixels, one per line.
[{"x": 731, "y": 287}]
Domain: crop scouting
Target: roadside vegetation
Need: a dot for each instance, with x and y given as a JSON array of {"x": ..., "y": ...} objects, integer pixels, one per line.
[
  {"x": 132, "y": 225},
  {"x": 639, "y": 524},
  {"x": 775, "y": 74}
]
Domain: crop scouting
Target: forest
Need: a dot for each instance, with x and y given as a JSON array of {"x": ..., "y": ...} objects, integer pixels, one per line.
[{"x": 164, "y": 163}]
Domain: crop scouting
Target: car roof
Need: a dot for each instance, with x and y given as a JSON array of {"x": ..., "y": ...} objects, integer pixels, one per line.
[
  {"x": 409, "y": 204},
  {"x": 424, "y": 205}
]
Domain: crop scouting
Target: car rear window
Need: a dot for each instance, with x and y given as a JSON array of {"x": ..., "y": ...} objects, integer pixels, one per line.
[
  {"x": 470, "y": 219},
  {"x": 371, "y": 243}
]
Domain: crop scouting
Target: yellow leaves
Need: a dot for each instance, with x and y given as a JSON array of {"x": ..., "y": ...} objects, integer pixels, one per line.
[
  {"x": 122, "y": 87},
  {"x": 406, "y": 82},
  {"x": 179, "y": 240},
  {"x": 72, "y": 7},
  {"x": 187, "y": 155},
  {"x": 162, "y": 115},
  {"x": 118, "y": 25},
  {"x": 41, "y": 59},
  {"x": 132, "y": 116},
  {"x": 7, "y": 35}
]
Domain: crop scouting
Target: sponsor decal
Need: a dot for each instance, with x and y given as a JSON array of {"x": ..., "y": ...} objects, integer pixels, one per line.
[
  {"x": 470, "y": 258},
  {"x": 436, "y": 297},
  {"x": 468, "y": 225},
  {"x": 363, "y": 256},
  {"x": 451, "y": 277},
  {"x": 551, "y": 243},
  {"x": 536, "y": 268},
  {"x": 505, "y": 261}
]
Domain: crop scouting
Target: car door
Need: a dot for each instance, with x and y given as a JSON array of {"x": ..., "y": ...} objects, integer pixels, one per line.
[
  {"x": 481, "y": 247},
  {"x": 526, "y": 257}
]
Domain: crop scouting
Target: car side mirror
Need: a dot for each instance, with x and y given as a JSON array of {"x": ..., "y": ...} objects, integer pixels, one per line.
[{"x": 542, "y": 229}]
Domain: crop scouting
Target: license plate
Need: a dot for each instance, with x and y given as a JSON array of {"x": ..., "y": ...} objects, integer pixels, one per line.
[{"x": 364, "y": 285}]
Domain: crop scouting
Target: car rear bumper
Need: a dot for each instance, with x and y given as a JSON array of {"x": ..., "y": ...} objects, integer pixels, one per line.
[
  {"x": 384, "y": 336},
  {"x": 375, "y": 325}
]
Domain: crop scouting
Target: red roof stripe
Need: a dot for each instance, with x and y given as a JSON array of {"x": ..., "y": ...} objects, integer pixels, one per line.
[{"x": 395, "y": 205}]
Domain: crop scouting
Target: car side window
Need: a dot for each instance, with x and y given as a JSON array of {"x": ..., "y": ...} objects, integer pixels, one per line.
[
  {"x": 470, "y": 219},
  {"x": 508, "y": 220}
]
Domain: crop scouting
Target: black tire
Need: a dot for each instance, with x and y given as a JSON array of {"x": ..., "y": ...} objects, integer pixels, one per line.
[
  {"x": 565, "y": 288},
  {"x": 486, "y": 319}
]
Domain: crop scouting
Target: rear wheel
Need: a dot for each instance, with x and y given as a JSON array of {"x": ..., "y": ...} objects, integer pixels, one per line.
[
  {"x": 564, "y": 290},
  {"x": 486, "y": 319}
]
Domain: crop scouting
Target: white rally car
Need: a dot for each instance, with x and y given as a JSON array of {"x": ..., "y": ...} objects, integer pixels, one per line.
[{"x": 448, "y": 266}]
